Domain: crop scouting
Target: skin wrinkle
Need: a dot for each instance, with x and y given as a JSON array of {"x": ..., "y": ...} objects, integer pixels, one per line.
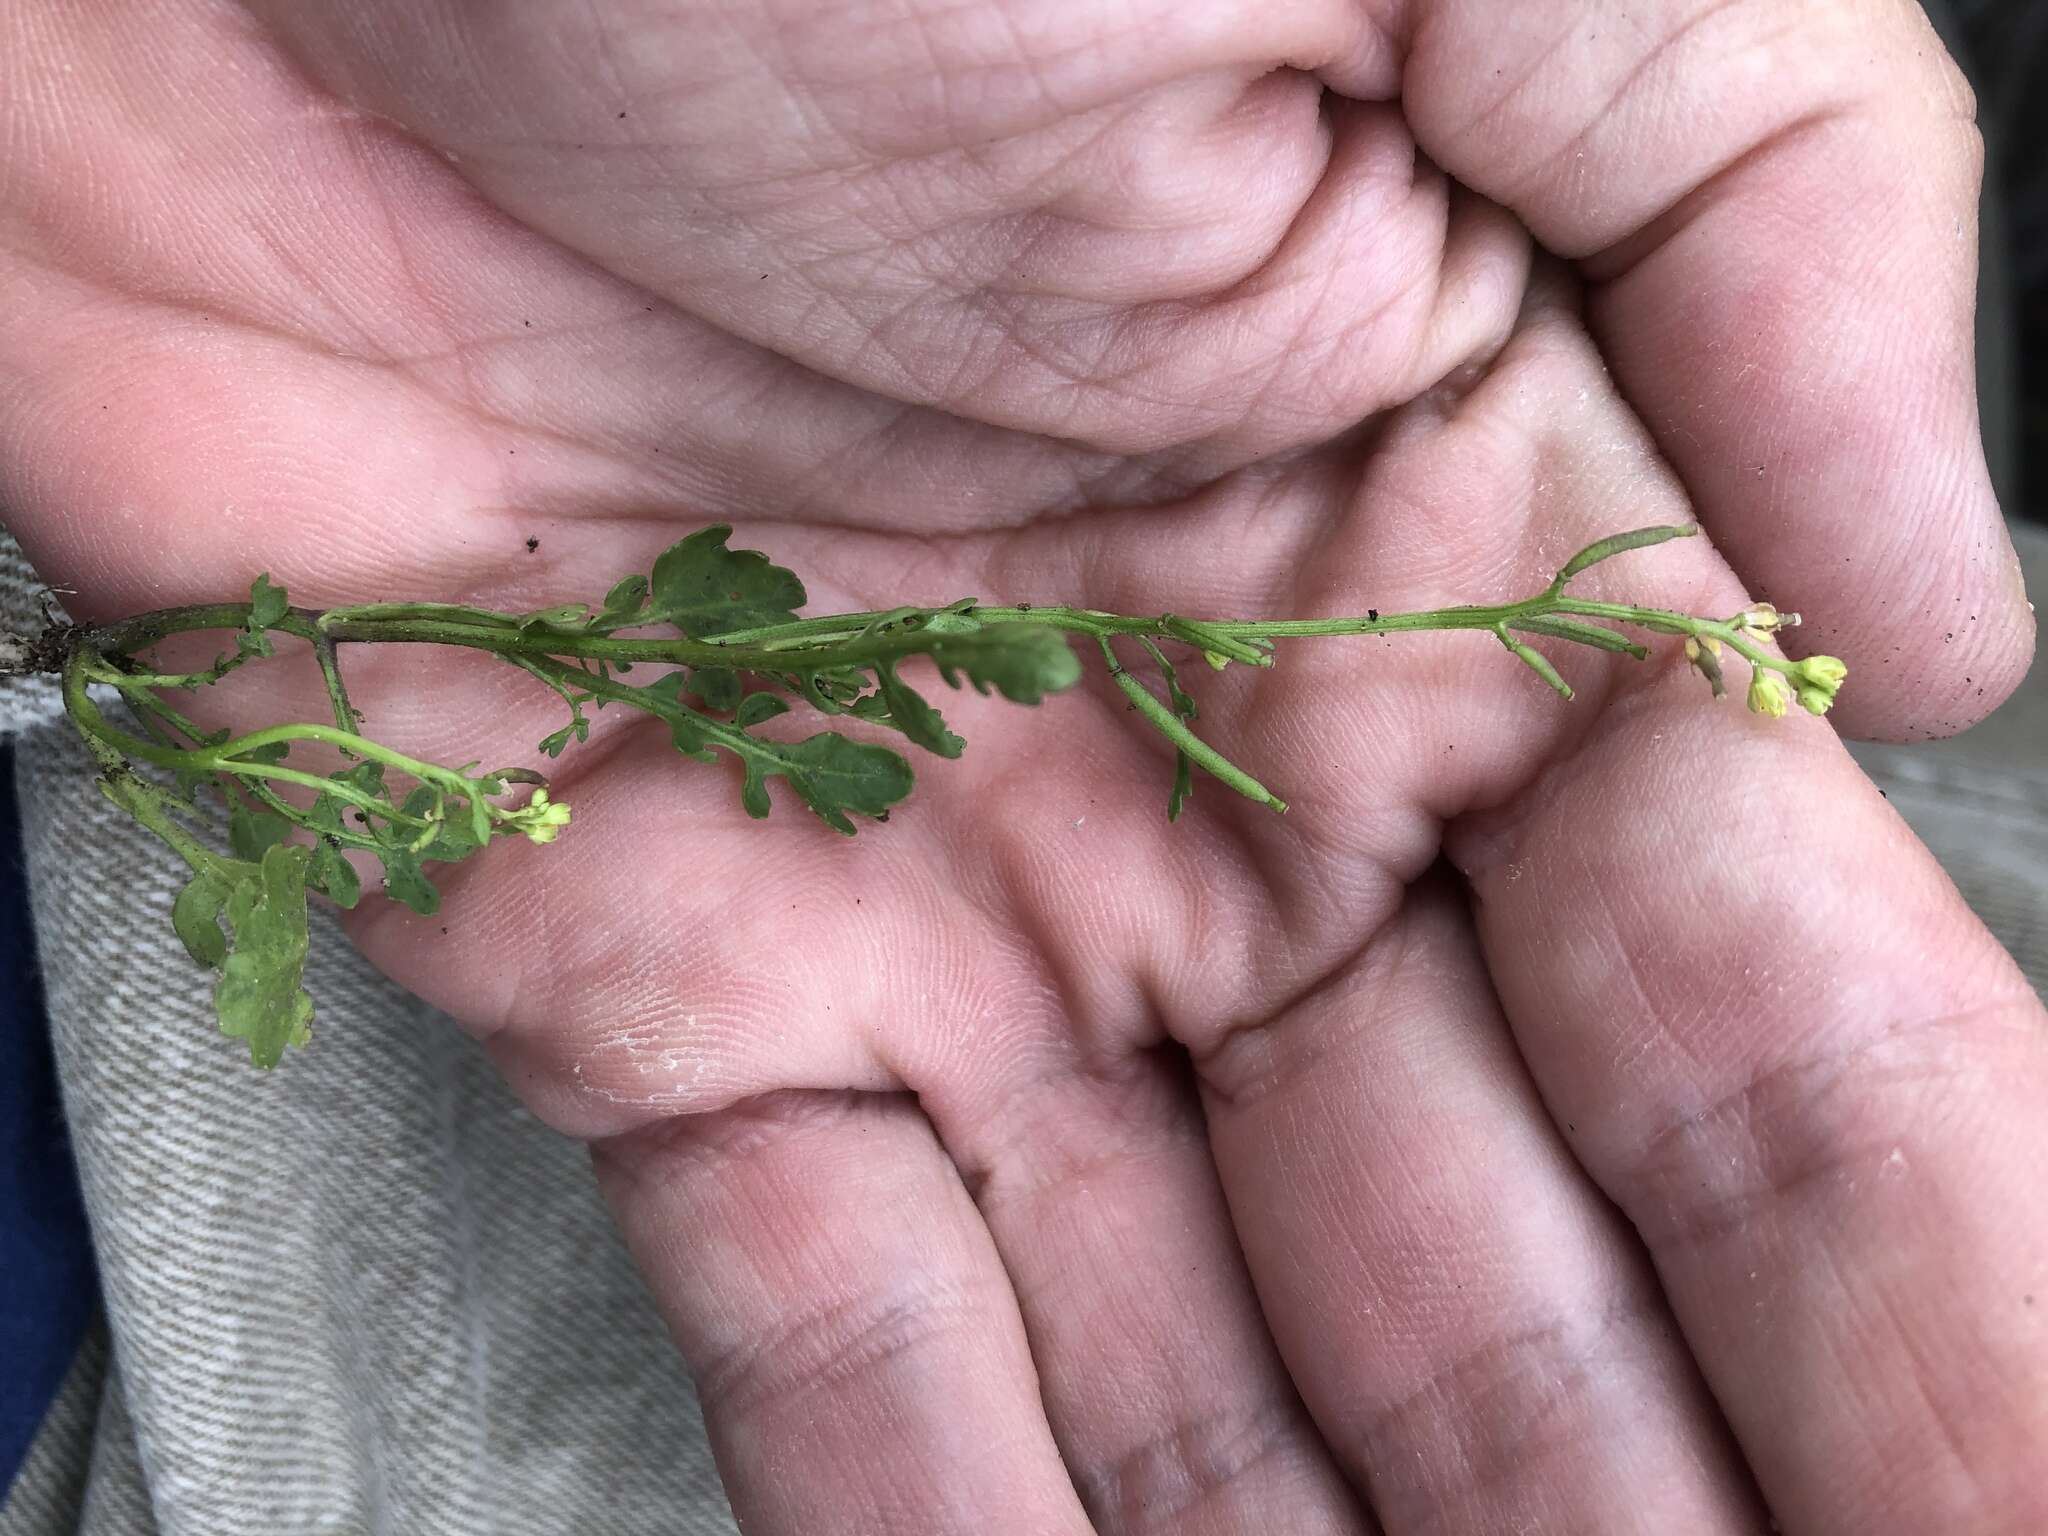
[
  {"x": 1235, "y": 1084},
  {"x": 901, "y": 364},
  {"x": 991, "y": 1162},
  {"x": 837, "y": 1343},
  {"x": 1640, "y": 67},
  {"x": 1535, "y": 65},
  {"x": 1757, "y": 1111},
  {"x": 1619, "y": 258},
  {"x": 1558, "y": 1355},
  {"x": 1155, "y": 1486}
]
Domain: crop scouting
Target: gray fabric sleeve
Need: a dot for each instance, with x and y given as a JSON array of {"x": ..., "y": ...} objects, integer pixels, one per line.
[{"x": 364, "y": 1292}]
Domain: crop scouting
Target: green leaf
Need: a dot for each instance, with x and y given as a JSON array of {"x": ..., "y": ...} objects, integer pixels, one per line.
[
  {"x": 911, "y": 714},
  {"x": 406, "y": 882},
  {"x": 830, "y": 773},
  {"x": 367, "y": 776},
  {"x": 622, "y": 604},
  {"x": 718, "y": 687},
  {"x": 756, "y": 707},
  {"x": 479, "y": 819},
  {"x": 325, "y": 814},
  {"x": 267, "y": 604},
  {"x": 1022, "y": 662},
  {"x": 191, "y": 781},
  {"x": 705, "y": 589},
  {"x": 834, "y": 691},
  {"x": 334, "y": 876},
  {"x": 196, "y": 916},
  {"x": 454, "y": 835},
  {"x": 252, "y": 833},
  {"x": 259, "y": 998}
]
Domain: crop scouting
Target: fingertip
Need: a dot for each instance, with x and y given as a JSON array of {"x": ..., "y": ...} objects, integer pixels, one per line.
[{"x": 1952, "y": 644}]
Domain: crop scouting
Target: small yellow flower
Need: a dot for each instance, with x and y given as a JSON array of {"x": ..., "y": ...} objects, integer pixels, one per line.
[
  {"x": 1768, "y": 692},
  {"x": 1818, "y": 679},
  {"x": 542, "y": 819}
]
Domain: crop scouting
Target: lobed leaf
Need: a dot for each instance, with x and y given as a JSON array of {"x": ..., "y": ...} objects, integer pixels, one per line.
[
  {"x": 905, "y": 708},
  {"x": 756, "y": 707},
  {"x": 706, "y": 590},
  {"x": 333, "y": 876},
  {"x": 622, "y": 604},
  {"x": 252, "y": 833},
  {"x": 196, "y": 917},
  {"x": 407, "y": 883},
  {"x": 259, "y": 997},
  {"x": 832, "y": 774},
  {"x": 1022, "y": 662},
  {"x": 268, "y": 604},
  {"x": 718, "y": 687}
]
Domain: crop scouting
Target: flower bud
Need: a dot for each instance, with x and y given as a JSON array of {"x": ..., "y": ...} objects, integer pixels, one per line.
[
  {"x": 1818, "y": 679},
  {"x": 1768, "y": 692},
  {"x": 542, "y": 819}
]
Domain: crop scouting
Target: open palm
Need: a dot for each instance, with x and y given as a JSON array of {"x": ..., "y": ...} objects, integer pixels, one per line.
[{"x": 1569, "y": 1117}]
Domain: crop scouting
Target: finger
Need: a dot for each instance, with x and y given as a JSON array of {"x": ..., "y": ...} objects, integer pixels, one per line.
[
  {"x": 1778, "y": 202},
  {"x": 1168, "y": 1400},
  {"x": 1476, "y": 1332},
  {"x": 1132, "y": 247},
  {"x": 1777, "y": 1038},
  {"x": 852, "y": 1335}
]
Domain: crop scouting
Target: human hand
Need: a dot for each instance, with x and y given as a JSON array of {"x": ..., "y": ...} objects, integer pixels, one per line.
[{"x": 1673, "y": 1156}]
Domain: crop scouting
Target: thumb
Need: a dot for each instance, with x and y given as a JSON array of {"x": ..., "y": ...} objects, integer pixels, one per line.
[{"x": 1775, "y": 204}]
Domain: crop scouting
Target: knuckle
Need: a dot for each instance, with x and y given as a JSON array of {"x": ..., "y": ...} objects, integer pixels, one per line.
[
  {"x": 1193, "y": 1460},
  {"x": 1812, "y": 1128},
  {"x": 849, "y": 1339}
]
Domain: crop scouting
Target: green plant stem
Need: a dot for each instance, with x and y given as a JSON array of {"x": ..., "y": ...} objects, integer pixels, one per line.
[
  {"x": 811, "y": 657},
  {"x": 111, "y": 743},
  {"x": 853, "y": 639}
]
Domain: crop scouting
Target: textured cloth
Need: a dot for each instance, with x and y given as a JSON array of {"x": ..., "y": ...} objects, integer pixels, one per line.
[{"x": 366, "y": 1292}]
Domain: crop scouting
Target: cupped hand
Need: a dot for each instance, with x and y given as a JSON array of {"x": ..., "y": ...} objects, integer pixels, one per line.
[{"x": 1580, "y": 1117}]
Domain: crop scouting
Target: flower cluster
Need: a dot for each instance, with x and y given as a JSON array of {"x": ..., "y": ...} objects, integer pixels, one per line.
[
  {"x": 1817, "y": 680},
  {"x": 1773, "y": 685},
  {"x": 541, "y": 819}
]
